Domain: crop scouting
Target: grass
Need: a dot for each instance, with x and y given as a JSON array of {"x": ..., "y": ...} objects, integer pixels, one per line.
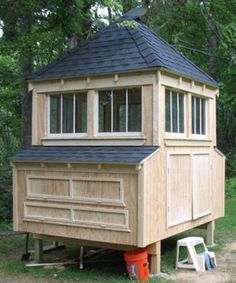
[{"x": 11, "y": 250}]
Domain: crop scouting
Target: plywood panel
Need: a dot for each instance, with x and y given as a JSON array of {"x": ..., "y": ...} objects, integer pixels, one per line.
[
  {"x": 105, "y": 222},
  {"x": 103, "y": 218},
  {"x": 152, "y": 205},
  {"x": 33, "y": 211},
  {"x": 47, "y": 187},
  {"x": 218, "y": 183},
  {"x": 97, "y": 190},
  {"x": 201, "y": 185},
  {"x": 179, "y": 189}
]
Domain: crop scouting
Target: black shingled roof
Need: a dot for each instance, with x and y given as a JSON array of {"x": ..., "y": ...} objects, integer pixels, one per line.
[
  {"x": 120, "y": 49},
  {"x": 85, "y": 154}
]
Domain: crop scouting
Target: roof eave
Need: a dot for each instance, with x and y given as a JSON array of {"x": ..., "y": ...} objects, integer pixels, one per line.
[{"x": 214, "y": 85}]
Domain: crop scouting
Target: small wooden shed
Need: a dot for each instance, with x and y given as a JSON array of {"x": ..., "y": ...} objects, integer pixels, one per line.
[{"x": 123, "y": 146}]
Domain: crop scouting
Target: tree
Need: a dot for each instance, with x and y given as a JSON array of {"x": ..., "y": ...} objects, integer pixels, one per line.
[{"x": 38, "y": 31}]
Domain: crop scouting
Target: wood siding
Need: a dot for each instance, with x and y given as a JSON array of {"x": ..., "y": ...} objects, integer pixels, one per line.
[
  {"x": 179, "y": 194},
  {"x": 81, "y": 205}
]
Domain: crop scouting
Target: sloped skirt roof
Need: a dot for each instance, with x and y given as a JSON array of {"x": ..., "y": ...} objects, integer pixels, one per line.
[{"x": 86, "y": 154}]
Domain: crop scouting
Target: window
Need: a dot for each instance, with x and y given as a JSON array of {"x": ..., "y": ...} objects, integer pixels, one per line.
[
  {"x": 120, "y": 110},
  {"x": 68, "y": 113},
  {"x": 175, "y": 112},
  {"x": 198, "y": 116}
]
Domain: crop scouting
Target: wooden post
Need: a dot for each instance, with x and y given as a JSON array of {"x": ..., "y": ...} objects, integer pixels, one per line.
[
  {"x": 154, "y": 250},
  {"x": 210, "y": 233},
  {"x": 38, "y": 245}
]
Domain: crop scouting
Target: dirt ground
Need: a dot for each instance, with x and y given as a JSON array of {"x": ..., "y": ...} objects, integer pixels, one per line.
[{"x": 224, "y": 273}]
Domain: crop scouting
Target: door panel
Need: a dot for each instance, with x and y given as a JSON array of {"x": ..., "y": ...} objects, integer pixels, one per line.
[
  {"x": 201, "y": 185},
  {"x": 179, "y": 189}
]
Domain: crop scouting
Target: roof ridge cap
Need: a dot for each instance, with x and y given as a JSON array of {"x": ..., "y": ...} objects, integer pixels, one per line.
[
  {"x": 140, "y": 52},
  {"x": 140, "y": 23}
]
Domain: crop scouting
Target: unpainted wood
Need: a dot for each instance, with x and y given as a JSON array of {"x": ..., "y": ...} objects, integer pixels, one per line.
[
  {"x": 147, "y": 113},
  {"x": 101, "y": 82},
  {"x": 175, "y": 142},
  {"x": 91, "y": 113},
  {"x": 38, "y": 255},
  {"x": 201, "y": 185},
  {"x": 188, "y": 115},
  {"x": 218, "y": 183},
  {"x": 186, "y": 85},
  {"x": 96, "y": 141},
  {"x": 79, "y": 242},
  {"x": 120, "y": 225},
  {"x": 155, "y": 109},
  {"x": 154, "y": 250},
  {"x": 151, "y": 198},
  {"x": 141, "y": 210},
  {"x": 210, "y": 233},
  {"x": 40, "y": 118},
  {"x": 179, "y": 201}
]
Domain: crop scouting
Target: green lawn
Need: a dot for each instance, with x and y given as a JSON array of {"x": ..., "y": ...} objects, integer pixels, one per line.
[{"x": 11, "y": 250}]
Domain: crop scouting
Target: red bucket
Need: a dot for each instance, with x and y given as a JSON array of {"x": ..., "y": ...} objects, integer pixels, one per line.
[{"x": 137, "y": 264}]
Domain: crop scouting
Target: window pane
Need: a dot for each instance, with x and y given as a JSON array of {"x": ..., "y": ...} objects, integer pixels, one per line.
[
  {"x": 67, "y": 113},
  {"x": 167, "y": 109},
  {"x": 119, "y": 110},
  {"x": 174, "y": 112},
  {"x": 197, "y": 115},
  {"x": 81, "y": 113},
  {"x": 203, "y": 117},
  {"x": 55, "y": 114},
  {"x": 105, "y": 111},
  {"x": 181, "y": 113},
  {"x": 134, "y": 110}
]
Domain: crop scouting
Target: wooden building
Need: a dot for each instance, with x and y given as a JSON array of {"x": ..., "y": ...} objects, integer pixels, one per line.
[{"x": 123, "y": 146}]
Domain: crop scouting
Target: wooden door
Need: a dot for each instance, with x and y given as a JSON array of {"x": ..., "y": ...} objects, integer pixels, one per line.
[
  {"x": 201, "y": 185},
  {"x": 179, "y": 190}
]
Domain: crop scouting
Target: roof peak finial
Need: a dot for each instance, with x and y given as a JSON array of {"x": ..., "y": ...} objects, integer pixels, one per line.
[{"x": 134, "y": 14}]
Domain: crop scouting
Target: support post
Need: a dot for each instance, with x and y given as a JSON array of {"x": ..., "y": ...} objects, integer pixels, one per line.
[
  {"x": 38, "y": 244},
  {"x": 154, "y": 250},
  {"x": 210, "y": 233}
]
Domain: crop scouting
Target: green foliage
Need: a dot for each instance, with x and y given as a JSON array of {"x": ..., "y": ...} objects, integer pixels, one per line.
[
  {"x": 128, "y": 24},
  {"x": 9, "y": 128},
  {"x": 226, "y": 227},
  {"x": 205, "y": 31},
  {"x": 230, "y": 191}
]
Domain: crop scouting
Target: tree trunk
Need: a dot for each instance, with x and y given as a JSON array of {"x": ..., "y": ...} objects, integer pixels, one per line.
[{"x": 26, "y": 100}]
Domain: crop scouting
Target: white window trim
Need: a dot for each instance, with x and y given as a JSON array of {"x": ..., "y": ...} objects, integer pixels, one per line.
[
  {"x": 174, "y": 134},
  {"x": 63, "y": 135},
  {"x": 120, "y": 134},
  {"x": 200, "y": 136}
]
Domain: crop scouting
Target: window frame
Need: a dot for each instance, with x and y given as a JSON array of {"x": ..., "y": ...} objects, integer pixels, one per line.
[
  {"x": 119, "y": 134},
  {"x": 176, "y": 134},
  {"x": 61, "y": 134},
  {"x": 195, "y": 135}
]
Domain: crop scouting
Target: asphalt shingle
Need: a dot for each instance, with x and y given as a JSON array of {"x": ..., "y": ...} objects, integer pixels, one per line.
[
  {"x": 122, "y": 49},
  {"x": 85, "y": 154}
]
